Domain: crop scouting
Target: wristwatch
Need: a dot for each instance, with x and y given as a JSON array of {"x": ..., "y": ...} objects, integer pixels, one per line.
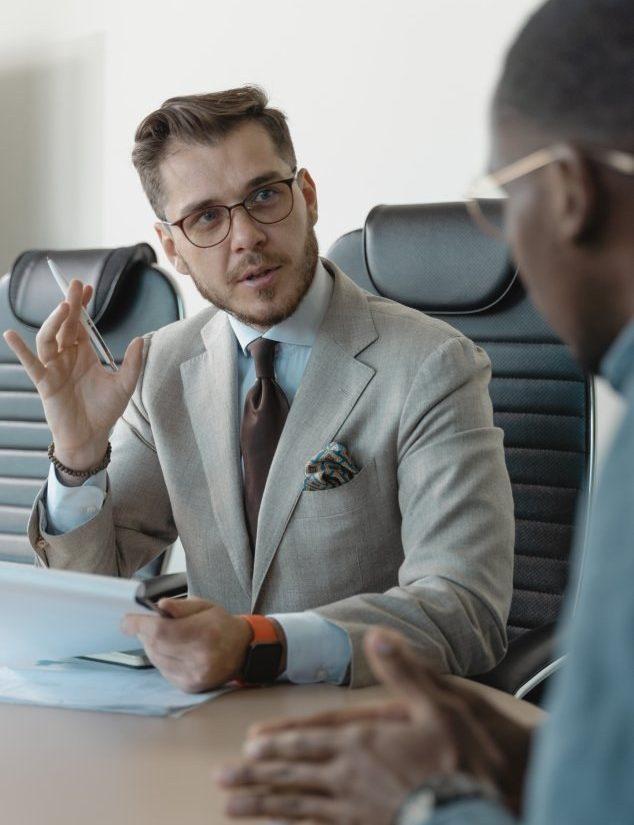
[
  {"x": 421, "y": 804},
  {"x": 265, "y": 652}
]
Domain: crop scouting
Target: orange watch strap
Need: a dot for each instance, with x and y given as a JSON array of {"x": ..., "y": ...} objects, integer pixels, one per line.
[{"x": 263, "y": 629}]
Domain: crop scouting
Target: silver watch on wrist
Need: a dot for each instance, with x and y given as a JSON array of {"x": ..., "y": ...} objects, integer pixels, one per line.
[{"x": 421, "y": 804}]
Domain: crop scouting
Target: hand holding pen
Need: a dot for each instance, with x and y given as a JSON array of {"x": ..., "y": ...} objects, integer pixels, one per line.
[
  {"x": 82, "y": 398},
  {"x": 86, "y": 321}
]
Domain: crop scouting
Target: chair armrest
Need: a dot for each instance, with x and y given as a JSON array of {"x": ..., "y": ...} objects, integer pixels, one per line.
[
  {"x": 167, "y": 586},
  {"x": 529, "y": 660}
]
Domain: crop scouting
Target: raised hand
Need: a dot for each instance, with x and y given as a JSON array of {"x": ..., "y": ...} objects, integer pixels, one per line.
[{"x": 82, "y": 399}]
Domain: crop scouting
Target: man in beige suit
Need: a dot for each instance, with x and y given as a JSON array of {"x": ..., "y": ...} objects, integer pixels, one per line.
[{"x": 418, "y": 531}]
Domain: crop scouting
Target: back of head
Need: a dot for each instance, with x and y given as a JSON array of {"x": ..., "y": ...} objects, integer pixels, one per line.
[
  {"x": 571, "y": 72},
  {"x": 567, "y": 84}
]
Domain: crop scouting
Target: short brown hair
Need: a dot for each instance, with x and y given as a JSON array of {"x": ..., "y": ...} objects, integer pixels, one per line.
[{"x": 203, "y": 119}]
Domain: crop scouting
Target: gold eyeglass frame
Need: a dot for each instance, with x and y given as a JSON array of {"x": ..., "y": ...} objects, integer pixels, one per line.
[{"x": 613, "y": 158}]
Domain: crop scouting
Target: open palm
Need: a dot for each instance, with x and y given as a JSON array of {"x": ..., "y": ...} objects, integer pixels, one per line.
[{"x": 82, "y": 399}]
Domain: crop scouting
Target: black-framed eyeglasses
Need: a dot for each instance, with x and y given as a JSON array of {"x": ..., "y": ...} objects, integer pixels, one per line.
[{"x": 210, "y": 225}]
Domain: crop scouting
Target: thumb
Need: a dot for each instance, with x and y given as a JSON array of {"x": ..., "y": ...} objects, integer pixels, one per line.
[
  {"x": 402, "y": 670},
  {"x": 131, "y": 366},
  {"x": 181, "y": 608}
]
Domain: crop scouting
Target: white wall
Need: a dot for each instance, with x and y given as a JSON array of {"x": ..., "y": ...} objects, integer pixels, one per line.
[{"x": 387, "y": 102}]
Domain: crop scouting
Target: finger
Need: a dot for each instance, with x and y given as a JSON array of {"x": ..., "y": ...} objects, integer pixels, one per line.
[
  {"x": 131, "y": 367},
  {"x": 46, "y": 339},
  {"x": 170, "y": 667},
  {"x": 68, "y": 331},
  {"x": 88, "y": 291},
  {"x": 454, "y": 695},
  {"x": 287, "y": 806},
  {"x": 283, "y": 775},
  {"x": 395, "y": 710},
  {"x": 82, "y": 332},
  {"x": 278, "y": 821},
  {"x": 314, "y": 745},
  {"x": 180, "y": 608},
  {"x": 33, "y": 366},
  {"x": 404, "y": 671},
  {"x": 166, "y": 637},
  {"x": 134, "y": 624}
]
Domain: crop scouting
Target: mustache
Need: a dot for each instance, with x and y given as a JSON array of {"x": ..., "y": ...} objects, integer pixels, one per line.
[{"x": 254, "y": 261}]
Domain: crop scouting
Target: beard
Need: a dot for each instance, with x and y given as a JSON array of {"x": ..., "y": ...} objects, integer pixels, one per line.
[{"x": 277, "y": 311}]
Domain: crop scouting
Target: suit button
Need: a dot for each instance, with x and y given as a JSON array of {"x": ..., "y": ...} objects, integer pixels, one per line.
[{"x": 40, "y": 543}]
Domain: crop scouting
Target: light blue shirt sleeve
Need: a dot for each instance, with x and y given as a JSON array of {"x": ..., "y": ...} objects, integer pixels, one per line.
[
  {"x": 471, "y": 812},
  {"x": 316, "y": 649},
  {"x": 69, "y": 507}
]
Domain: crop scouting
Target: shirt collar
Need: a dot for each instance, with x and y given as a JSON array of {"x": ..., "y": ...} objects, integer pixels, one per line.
[
  {"x": 303, "y": 325},
  {"x": 618, "y": 364}
]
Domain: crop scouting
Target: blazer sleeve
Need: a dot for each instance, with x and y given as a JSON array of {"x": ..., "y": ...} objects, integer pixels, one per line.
[
  {"x": 457, "y": 530},
  {"x": 135, "y": 523}
]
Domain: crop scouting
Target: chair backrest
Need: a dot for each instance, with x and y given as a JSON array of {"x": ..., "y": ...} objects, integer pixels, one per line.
[
  {"x": 432, "y": 258},
  {"x": 132, "y": 297}
]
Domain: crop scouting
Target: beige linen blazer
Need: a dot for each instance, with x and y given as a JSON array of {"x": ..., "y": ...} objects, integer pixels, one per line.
[{"x": 420, "y": 540}]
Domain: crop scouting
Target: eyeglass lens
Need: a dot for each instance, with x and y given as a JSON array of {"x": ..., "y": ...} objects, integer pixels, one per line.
[{"x": 268, "y": 204}]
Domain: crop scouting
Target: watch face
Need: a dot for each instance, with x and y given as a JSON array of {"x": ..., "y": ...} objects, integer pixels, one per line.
[{"x": 263, "y": 663}]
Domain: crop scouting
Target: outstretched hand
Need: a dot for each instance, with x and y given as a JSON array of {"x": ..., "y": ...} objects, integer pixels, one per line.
[{"x": 359, "y": 766}]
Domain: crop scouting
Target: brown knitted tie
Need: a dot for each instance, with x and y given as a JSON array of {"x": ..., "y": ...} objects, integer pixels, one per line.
[{"x": 265, "y": 411}]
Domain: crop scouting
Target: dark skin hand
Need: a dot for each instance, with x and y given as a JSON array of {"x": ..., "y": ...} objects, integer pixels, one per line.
[{"x": 359, "y": 765}]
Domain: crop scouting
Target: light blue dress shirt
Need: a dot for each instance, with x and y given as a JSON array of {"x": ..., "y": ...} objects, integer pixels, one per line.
[
  {"x": 317, "y": 650},
  {"x": 583, "y": 764}
]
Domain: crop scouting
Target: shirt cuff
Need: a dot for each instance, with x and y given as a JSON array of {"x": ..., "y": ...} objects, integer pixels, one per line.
[
  {"x": 471, "y": 811},
  {"x": 316, "y": 649},
  {"x": 69, "y": 507}
]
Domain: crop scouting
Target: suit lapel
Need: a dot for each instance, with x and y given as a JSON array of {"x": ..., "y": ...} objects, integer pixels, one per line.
[
  {"x": 210, "y": 381},
  {"x": 331, "y": 386}
]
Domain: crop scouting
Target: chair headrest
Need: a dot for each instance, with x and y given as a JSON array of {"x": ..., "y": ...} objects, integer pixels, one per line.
[
  {"x": 33, "y": 292},
  {"x": 432, "y": 257}
]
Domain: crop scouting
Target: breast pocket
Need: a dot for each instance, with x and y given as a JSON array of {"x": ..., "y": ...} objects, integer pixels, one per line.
[
  {"x": 328, "y": 536},
  {"x": 333, "y": 501}
]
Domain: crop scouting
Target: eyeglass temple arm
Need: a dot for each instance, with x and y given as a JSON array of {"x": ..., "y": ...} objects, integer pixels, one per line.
[{"x": 525, "y": 166}]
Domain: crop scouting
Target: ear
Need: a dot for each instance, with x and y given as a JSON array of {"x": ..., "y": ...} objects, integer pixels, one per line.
[
  {"x": 576, "y": 196},
  {"x": 166, "y": 238},
  {"x": 309, "y": 191}
]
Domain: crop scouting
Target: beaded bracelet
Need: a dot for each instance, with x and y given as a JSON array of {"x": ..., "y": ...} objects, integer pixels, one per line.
[{"x": 79, "y": 473}]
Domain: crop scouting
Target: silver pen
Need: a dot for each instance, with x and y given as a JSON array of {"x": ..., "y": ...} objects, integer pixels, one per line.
[{"x": 93, "y": 333}]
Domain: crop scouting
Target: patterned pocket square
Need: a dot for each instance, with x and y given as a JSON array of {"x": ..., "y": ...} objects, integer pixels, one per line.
[{"x": 330, "y": 467}]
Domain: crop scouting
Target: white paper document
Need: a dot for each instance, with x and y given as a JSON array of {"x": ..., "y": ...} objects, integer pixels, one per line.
[
  {"x": 93, "y": 686},
  {"x": 54, "y": 614}
]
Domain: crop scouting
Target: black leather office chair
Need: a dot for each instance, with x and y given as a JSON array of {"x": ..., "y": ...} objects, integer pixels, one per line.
[
  {"x": 132, "y": 296},
  {"x": 432, "y": 258}
]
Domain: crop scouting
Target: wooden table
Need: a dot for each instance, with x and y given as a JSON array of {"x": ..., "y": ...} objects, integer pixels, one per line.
[{"x": 63, "y": 767}]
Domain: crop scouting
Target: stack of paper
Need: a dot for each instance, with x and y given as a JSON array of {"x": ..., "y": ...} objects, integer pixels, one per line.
[
  {"x": 93, "y": 686},
  {"x": 51, "y": 615},
  {"x": 54, "y": 614}
]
